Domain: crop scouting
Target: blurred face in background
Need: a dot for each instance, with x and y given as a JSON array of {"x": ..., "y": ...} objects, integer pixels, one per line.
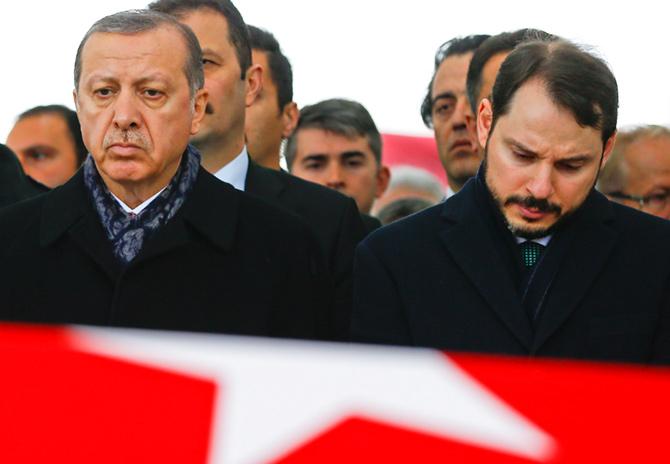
[
  {"x": 45, "y": 148},
  {"x": 455, "y": 144},
  {"x": 345, "y": 164}
]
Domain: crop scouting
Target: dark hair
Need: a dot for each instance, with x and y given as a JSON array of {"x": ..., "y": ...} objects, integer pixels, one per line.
[
  {"x": 575, "y": 80},
  {"x": 71, "y": 120},
  {"x": 456, "y": 46},
  {"x": 137, "y": 21},
  {"x": 343, "y": 117},
  {"x": 280, "y": 67},
  {"x": 501, "y": 43},
  {"x": 237, "y": 29}
]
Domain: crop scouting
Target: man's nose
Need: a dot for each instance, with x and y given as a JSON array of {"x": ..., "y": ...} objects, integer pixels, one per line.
[
  {"x": 540, "y": 185},
  {"x": 334, "y": 178},
  {"x": 126, "y": 112},
  {"x": 461, "y": 114}
]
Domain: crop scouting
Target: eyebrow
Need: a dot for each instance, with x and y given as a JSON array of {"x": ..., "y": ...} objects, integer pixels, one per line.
[
  {"x": 109, "y": 78},
  {"x": 37, "y": 147},
  {"x": 352, "y": 154},
  {"x": 571, "y": 159},
  {"x": 444, "y": 95}
]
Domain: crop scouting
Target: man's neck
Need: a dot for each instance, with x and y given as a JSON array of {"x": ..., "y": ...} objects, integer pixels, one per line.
[{"x": 217, "y": 155}]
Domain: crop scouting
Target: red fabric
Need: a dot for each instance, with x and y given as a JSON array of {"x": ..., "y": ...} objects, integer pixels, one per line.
[{"x": 414, "y": 151}]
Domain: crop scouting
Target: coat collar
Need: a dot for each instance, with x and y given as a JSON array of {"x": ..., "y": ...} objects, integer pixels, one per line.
[
  {"x": 591, "y": 239},
  {"x": 212, "y": 210},
  {"x": 467, "y": 239},
  {"x": 263, "y": 182}
]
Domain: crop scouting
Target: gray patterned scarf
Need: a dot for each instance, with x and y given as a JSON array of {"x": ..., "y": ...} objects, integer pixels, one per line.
[{"x": 128, "y": 232}]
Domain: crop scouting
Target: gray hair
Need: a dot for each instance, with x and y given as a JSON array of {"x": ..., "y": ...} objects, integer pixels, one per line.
[
  {"x": 417, "y": 179},
  {"x": 137, "y": 21},
  {"x": 614, "y": 176}
]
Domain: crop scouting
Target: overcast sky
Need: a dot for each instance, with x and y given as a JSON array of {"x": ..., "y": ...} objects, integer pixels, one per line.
[{"x": 377, "y": 52}]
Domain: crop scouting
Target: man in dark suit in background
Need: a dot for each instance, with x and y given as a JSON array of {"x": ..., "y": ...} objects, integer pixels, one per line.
[
  {"x": 142, "y": 236},
  {"x": 528, "y": 259},
  {"x": 233, "y": 82},
  {"x": 14, "y": 184}
]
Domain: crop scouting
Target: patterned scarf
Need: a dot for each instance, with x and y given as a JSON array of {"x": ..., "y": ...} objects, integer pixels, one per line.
[{"x": 128, "y": 232}]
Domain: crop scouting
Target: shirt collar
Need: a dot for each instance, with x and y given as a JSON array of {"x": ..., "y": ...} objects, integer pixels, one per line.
[
  {"x": 139, "y": 208},
  {"x": 235, "y": 172},
  {"x": 544, "y": 241}
]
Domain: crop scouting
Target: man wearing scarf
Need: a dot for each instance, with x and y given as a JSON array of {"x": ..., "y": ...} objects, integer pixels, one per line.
[{"x": 137, "y": 237}]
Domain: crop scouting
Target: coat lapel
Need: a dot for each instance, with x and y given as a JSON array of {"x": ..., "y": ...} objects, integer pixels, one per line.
[
  {"x": 591, "y": 243},
  {"x": 211, "y": 210},
  {"x": 68, "y": 211},
  {"x": 262, "y": 182},
  {"x": 468, "y": 241}
]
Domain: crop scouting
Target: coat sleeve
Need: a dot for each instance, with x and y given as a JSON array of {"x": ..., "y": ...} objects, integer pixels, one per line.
[{"x": 378, "y": 314}]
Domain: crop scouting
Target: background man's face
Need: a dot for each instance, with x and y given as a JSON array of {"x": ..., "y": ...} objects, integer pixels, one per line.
[
  {"x": 489, "y": 74},
  {"x": 647, "y": 163},
  {"x": 45, "y": 148},
  {"x": 540, "y": 163},
  {"x": 264, "y": 123},
  {"x": 341, "y": 163},
  {"x": 226, "y": 90},
  {"x": 455, "y": 146},
  {"x": 135, "y": 107}
]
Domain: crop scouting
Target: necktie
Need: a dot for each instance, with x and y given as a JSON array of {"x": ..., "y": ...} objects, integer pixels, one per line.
[{"x": 530, "y": 252}]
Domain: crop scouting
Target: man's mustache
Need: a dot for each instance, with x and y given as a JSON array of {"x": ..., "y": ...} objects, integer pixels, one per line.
[
  {"x": 127, "y": 137},
  {"x": 542, "y": 205}
]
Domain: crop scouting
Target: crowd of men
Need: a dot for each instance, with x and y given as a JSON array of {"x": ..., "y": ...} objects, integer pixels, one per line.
[{"x": 161, "y": 202}]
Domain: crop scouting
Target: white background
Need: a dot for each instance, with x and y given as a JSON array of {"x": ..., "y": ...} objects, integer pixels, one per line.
[{"x": 377, "y": 52}]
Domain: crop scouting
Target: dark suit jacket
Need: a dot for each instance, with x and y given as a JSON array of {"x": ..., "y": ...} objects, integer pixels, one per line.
[
  {"x": 370, "y": 223},
  {"x": 334, "y": 220},
  {"x": 14, "y": 184},
  {"x": 435, "y": 279},
  {"x": 226, "y": 262}
]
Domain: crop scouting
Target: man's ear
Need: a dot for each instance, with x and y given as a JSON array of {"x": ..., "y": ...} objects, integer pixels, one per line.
[
  {"x": 484, "y": 121},
  {"x": 199, "y": 105},
  {"x": 290, "y": 115},
  {"x": 607, "y": 151},
  {"x": 74, "y": 97},
  {"x": 254, "y": 83},
  {"x": 383, "y": 179}
]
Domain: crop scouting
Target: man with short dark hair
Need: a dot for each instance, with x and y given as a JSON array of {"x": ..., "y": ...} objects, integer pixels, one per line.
[
  {"x": 273, "y": 115},
  {"x": 638, "y": 172},
  {"x": 445, "y": 108},
  {"x": 142, "y": 236},
  {"x": 528, "y": 259},
  {"x": 337, "y": 144},
  {"x": 233, "y": 82},
  {"x": 488, "y": 57},
  {"x": 48, "y": 143}
]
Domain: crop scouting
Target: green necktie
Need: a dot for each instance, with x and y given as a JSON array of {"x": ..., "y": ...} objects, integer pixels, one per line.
[{"x": 530, "y": 252}]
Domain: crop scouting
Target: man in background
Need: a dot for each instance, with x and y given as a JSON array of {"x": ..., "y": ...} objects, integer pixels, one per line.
[
  {"x": 486, "y": 61},
  {"x": 233, "y": 82},
  {"x": 638, "y": 172},
  {"x": 48, "y": 143},
  {"x": 445, "y": 107},
  {"x": 14, "y": 184},
  {"x": 273, "y": 115},
  {"x": 337, "y": 144}
]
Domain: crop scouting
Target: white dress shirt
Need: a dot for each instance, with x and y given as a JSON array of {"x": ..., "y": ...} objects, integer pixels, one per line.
[
  {"x": 139, "y": 208},
  {"x": 544, "y": 241},
  {"x": 235, "y": 172}
]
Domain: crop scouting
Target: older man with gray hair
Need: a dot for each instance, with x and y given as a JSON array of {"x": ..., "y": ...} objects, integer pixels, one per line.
[
  {"x": 638, "y": 172},
  {"x": 137, "y": 237}
]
